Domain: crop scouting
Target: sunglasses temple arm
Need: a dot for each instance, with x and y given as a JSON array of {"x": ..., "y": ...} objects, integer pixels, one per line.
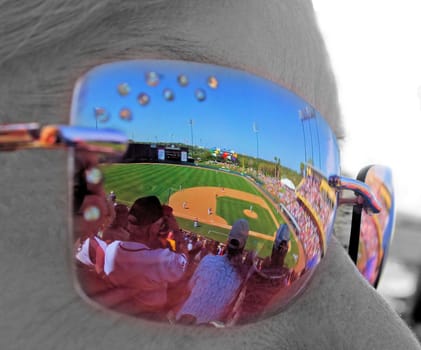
[
  {"x": 364, "y": 199},
  {"x": 15, "y": 137},
  {"x": 364, "y": 196},
  {"x": 354, "y": 239}
]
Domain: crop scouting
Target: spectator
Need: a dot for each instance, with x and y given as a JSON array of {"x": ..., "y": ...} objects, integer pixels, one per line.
[
  {"x": 141, "y": 269},
  {"x": 217, "y": 279},
  {"x": 117, "y": 231}
]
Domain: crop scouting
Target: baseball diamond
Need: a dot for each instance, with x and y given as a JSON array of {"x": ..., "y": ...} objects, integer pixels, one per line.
[{"x": 212, "y": 197}]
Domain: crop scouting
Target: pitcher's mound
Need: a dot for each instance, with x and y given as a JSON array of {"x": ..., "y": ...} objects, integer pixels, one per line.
[{"x": 250, "y": 214}]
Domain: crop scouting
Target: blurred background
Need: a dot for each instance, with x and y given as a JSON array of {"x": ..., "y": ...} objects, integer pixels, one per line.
[{"x": 376, "y": 57}]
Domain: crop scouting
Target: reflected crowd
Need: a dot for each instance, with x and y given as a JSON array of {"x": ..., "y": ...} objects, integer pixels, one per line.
[
  {"x": 319, "y": 201},
  {"x": 138, "y": 261},
  {"x": 311, "y": 242},
  {"x": 309, "y": 207}
]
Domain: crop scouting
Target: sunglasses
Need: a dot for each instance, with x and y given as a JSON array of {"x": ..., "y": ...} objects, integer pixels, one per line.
[{"x": 211, "y": 145}]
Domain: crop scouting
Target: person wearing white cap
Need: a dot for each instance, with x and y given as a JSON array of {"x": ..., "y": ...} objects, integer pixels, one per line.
[{"x": 216, "y": 281}]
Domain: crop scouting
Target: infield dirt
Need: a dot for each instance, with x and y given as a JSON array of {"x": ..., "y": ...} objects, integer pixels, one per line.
[{"x": 190, "y": 204}]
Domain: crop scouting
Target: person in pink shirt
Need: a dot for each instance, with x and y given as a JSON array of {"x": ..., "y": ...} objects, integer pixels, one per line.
[{"x": 141, "y": 269}]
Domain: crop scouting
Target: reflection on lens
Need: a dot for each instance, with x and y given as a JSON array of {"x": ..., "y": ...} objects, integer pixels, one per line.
[
  {"x": 168, "y": 94},
  {"x": 152, "y": 78},
  {"x": 213, "y": 82},
  {"x": 143, "y": 99},
  {"x": 123, "y": 89},
  {"x": 183, "y": 80},
  {"x": 93, "y": 176},
  {"x": 91, "y": 213},
  {"x": 101, "y": 115},
  {"x": 218, "y": 222},
  {"x": 125, "y": 114},
  {"x": 200, "y": 94}
]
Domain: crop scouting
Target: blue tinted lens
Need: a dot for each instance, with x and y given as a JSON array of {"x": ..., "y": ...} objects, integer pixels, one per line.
[{"x": 234, "y": 165}]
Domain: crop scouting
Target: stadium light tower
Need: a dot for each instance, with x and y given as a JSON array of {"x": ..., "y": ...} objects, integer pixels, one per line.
[
  {"x": 302, "y": 117},
  {"x": 191, "y": 133},
  {"x": 308, "y": 114},
  {"x": 256, "y": 131}
]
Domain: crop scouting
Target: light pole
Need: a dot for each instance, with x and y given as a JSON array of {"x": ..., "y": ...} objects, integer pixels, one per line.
[
  {"x": 307, "y": 114},
  {"x": 191, "y": 134},
  {"x": 256, "y": 131}
]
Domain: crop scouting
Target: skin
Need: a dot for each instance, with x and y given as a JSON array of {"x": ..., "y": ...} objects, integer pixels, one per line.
[{"x": 38, "y": 303}]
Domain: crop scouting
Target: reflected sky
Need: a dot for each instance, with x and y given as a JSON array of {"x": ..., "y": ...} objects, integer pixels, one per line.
[{"x": 207, "y": 106}]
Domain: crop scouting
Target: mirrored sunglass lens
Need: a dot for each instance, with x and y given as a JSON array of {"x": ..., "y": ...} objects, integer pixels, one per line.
[
  {"x": 375, "y": 231},
  {"x": 237, "y": 168}
]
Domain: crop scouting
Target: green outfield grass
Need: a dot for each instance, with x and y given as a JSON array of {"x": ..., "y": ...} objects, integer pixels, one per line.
[{"x": 131, "y": 181}]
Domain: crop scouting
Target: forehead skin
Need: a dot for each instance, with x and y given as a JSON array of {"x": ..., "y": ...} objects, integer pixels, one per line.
[{"x": 43, "y": 54}]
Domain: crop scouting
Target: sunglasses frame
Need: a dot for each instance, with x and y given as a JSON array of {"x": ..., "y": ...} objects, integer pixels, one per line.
[{"x": 114, "y": 143}]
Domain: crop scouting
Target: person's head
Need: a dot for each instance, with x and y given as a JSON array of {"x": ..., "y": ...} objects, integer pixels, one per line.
[
  {"x": 163, "y": 233},
  {"x": 173, "y": 226},
  {"x": 47, "y": 46},
  {"x": 280, "y": 245},
  {"x": 117, "y": 230},
  {"x": 237, "y": 238},
  {"x": 145, "y": 218},
  {"x": 121, "y": 215}
]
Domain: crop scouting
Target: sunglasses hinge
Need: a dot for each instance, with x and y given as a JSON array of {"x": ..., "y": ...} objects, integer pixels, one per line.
[{"x": 364, "y": 196}]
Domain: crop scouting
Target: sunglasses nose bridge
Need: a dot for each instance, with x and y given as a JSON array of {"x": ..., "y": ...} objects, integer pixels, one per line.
[{"x": 364, "y": 196}]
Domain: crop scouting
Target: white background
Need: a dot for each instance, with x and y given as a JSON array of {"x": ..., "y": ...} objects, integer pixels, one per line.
[{"x": 375, "y": 51}]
